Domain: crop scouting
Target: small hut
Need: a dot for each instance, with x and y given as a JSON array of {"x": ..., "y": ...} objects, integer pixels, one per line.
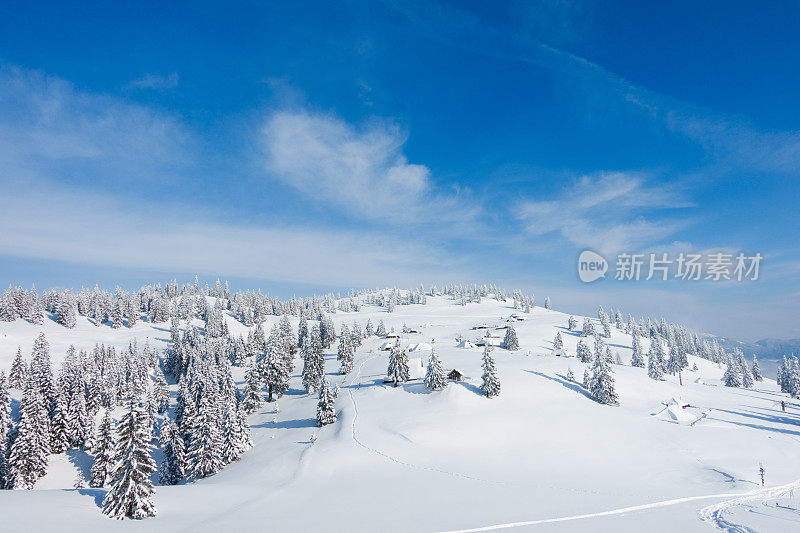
[{"x": 455, "y": 375}]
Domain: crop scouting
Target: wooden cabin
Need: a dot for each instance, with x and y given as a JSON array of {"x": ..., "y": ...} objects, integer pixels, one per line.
[{"x": 455, "y": 375}]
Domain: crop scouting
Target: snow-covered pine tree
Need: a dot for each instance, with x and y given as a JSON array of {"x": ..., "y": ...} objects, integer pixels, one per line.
[
  {"x": 131, "y": 489},
  {"x": 60, "y": 435},
  {"x": 601, "y": 382},
  {"x": 747, "y": 377},
  {"x": 204, "y": 456},
  {"x": 398, "y": 371},
  {"x": 5, "y": 427},
  {"x": 274, "y": 369},
  {"x": 547, "y": 304},
  {"x": 435, "y": 378},
  {"x": 381, "y": 330},
  {"x": 326, "y": 410},
  {"x": 757, "y": 370},
  {"x": 570, "y": 375},
  {"x": 655, "y": 368},
  {"x": 104, "y": 447},
  {"x": 78, "y": 421},
  {"x": 313, "y": 361},
  {"x": 345, "y": 352},
  {"x": 583, "y": 353},
  {"x": 572, "y": 323},
  {"x": 171, "y": 471},
  {"x": 637, "y": 358},
  {"x": 251, "y": 399},
  {"x": 19, "y": 371},
  {"x": 491, "y": 382},
  {"x": 588, "y": 327},
  {"x": 558, "y": 342},
  {"x": 511, "y": 342},
  {"x": 731, "y": 376}
]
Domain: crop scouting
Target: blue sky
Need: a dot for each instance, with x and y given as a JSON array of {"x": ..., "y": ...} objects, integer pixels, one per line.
[{"x": 306, "y": 146}]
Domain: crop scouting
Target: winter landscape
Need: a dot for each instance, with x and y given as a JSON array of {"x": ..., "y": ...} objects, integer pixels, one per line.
[
  {"x": 429, "y": 266},
  {"x": 444, "y": 409}
]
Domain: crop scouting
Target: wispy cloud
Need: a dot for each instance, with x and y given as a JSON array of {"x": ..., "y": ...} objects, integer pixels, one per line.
[
  {"x": 49, "y": 129},
  {"x": 606, "y": 211},
  {"x": 360, "y": 171},
  {"x": 156, "y": 81}
]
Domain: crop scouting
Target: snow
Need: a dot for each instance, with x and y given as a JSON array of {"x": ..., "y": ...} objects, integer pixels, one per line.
[
  {"x": 541, "y": 454},
  {"x": 420, "y": 346}
]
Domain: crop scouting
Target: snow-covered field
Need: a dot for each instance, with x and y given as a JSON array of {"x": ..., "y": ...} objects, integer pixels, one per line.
[{"x": 542, "y": 456}]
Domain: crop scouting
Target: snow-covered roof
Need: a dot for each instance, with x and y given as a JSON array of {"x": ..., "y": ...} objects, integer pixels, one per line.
[
  {"x": 466, "y": 344},
  {"x": 419, "y": 346},
  {"x": 388, "y": 345}
]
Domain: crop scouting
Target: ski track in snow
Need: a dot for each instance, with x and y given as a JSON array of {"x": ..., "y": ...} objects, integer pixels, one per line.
[
  {"x": 711, "y": 514},
  {"x": 715, "y": 514},
  {"x": 354, "y": 435}
]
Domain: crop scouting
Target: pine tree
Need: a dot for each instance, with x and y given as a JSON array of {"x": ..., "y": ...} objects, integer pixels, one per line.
[
  {"x": 274, "y": 369},
  {"x": 131, "y": 489},
  {"x": 558, "y": 342},
  {"x": 491, "y": 383},
  {"x": 757, "y": 370},
  {"x": 655, "y": 370},
  {"x": 601, "y": 382},
  {"x": 78, "y": 419},
  {"x": 345, "y": 352},
  {"x": 19, "y": 372},
  {"x": 326, "y": 410},
  {"x": 570, "y": 375},
  {"x": 28, "y": 459},
  {"x": 172, "y": 467},
  {"x": 205, "y": 446},
  {"x": 588, "y": 327},
  {"x": 60, "y": 436},
  {"x": 313, "y": 361},
  {"x": 252, "y": 400},
  {"x": 381, "y": 330},
  {"x": 435, "y": 378},
  {"x": 583, "y": 353},
  {"x": 511, "y": 342},
  {"x": 103, "y": 452},
  {"x": 572, "y": 323},
  {"x": 5, "y": 427},
  {"x": 398, "y": 371},
  {"x": 731, "y": 376},
  {"x": 637, "y": 358}
]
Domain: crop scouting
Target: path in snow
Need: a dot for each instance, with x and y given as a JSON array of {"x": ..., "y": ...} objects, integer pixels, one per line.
[
  {"x": 715, "y": 514},
  {"x": 711, "y": 514}
]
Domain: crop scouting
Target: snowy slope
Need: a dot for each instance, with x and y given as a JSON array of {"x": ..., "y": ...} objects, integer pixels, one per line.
[{"x": 406, "y": 459}]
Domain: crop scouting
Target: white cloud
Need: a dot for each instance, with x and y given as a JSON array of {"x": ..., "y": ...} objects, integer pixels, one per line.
[
  {"x": 49, "y": 129},
  {"x": 362, "y": 172},
  {"x": 606, "y": 212},
  {"x": 116, "y": 234},
  {"x": 156, "y": 81}
]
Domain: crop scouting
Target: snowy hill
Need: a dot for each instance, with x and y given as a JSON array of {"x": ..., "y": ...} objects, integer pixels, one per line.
[{"x": 542, "y": 455}]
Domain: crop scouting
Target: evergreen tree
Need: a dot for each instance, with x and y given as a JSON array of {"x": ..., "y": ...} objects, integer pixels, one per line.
[
  {"x": 655, "y": 368},
  {"x": 572, "y": 323},
  {"x": 313, "y": 361},
  {"x": 747, "y": 377},
  {"x": 205, "y": 447},
  {"x": 398, "y": 371},
  {"x": 588, "y": 327},
  {"x": 103, "y": 452},
  {"x": 558, "y": 342},
  {"x": 511, "y": 342},
  {"x": 381, "y": 330},
  {"x": 252, "y": 399},
  {"x": 757, "y": 370},
  {"x": 131, "y": 489},
  {"x": 491, "y": 383},
  {"x": 274, "y": 369},
  {"x": 637, "y": 358},
  {"x": 601, "y": 382},
  {"x": 78, "y": 419},
  {"x": 731, "y": 376},
  {"x": 583, "y": 353},
  {"x": 345, "y": 352},
  {"x": 435, "y": 378},
  {"x": 172, "y": 467},
  {"x": 19, "y": 372},
  {"x": 570, "y": 375},
  {"x": 5, "y": 428},
  {"x": 326, "y": 410},
  {"x": 28, "y": 459},
  {"x": 60, "y": 436}
]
